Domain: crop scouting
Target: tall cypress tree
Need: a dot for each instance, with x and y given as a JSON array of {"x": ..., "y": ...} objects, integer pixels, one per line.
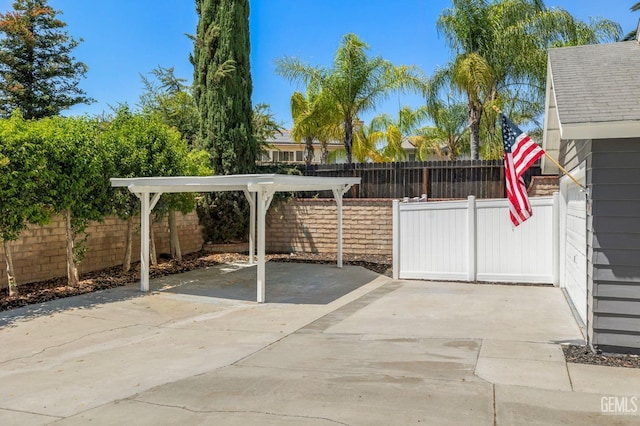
[
  {"x": 222, "y": 84},
  {"x": 38, "y": 73},
  {"x": 222, "y": 91}
]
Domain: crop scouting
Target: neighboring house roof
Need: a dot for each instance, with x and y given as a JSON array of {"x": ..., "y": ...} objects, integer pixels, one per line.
[
  {"x": 284, "y": 138},
  {"x": 592, "y": 93}
]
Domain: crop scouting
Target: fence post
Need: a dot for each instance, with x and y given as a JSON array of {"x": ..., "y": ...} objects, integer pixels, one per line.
[
  {"x": 555, "y": 239},
  {"x": 471, "y": 238},
  {"x": 396, "y": 239}
]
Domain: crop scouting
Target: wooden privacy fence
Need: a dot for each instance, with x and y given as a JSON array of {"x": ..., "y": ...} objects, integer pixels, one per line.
[
  {"x": 474, "y": 240},
  {"x": 436, "y": 179}
]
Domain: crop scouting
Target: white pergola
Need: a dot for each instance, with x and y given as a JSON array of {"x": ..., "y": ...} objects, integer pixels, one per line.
[{"x": 149, "y": 190}]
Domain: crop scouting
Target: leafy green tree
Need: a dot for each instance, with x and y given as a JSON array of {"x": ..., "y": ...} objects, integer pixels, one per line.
[
  {"x": 38, "y": 73},
  {"x": 142, "y": 145},
  {"x": 355, "y": 84},
  {"x": 500, "y": 54},
  {"x": 170, "y": 98},
  {"x": 222, "y": 84},
  {"x": 22, "y": 168},
  {"x": 222, "y": 90},
  {"x": 78, "y": 169}
]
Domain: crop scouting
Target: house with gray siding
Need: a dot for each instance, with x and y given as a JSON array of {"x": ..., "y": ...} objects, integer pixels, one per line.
[{"x": 592, "y": 127}]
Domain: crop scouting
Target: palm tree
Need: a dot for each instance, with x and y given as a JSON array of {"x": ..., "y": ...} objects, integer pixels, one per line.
[
  {"x": 500, "y": 52},
  {"x": 355, "y": 83},
  {"x": 314, "y": 119},
  {"x": 447, "y": 137},
  {"x": 632, "y": 35},
  {"x": 394, "y": 133}
]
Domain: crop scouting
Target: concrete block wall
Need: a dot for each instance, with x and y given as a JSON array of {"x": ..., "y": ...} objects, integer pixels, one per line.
[
  {"x": 310, "y": 225},
  {"x": 40, "y": 253}
]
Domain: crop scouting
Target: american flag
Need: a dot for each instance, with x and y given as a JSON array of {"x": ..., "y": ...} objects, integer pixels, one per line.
[{"x": 520, "y": 152}]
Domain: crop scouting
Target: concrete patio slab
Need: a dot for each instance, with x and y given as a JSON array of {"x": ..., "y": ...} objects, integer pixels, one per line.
[
  {"x": 526, "y": 406},
  {"x": 605, "y": 380},
  {"x": 333, "y": 346},
  {"x": 458, "y": 310},
  {"x": 406, "y": 358},
  {"x": 536, "y": 374},
  {"x": 341, "y": 398},
  {"x": 533, "y": 351}
]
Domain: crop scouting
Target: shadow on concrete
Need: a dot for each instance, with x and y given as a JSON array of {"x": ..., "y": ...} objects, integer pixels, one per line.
[
  {"x": 301, "y": 283},
  {"x": 298, "y": 283},
  {"x": 82, "y": 301}
]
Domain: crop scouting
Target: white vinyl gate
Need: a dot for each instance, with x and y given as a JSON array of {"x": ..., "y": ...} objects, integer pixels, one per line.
[
  {"x": 573, "y": 241},
  {"x": 474, "y": 240}
]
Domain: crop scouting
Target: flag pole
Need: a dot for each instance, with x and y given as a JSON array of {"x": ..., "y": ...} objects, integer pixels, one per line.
[{"x": 553, "y": 160}]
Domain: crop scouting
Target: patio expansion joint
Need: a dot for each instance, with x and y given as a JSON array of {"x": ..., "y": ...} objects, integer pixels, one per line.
[
  {"x": 321, "y": 324},
  {"x": 31, "y": 412},
  {"x": 266, "y": 413}
]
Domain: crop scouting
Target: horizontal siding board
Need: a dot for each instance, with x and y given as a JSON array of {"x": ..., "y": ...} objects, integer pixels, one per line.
[
  {"x": 616, "y": 257},
  {"x": 614, "y": 224},
  {"x": 615, "y": 159},
  {"x": 629, "y": 145},
  {"x": 616, "y": 306},
  {"x": 607, "y": 338},
  {"x": 614, "y": 322},
  {"x": 616, "y": 175},
  {"x": 618, "y": 290},
  {"x": 573, "y": 152},
  {"x": 616, "y": 191},
  {"x": 616, "y": 273},
  {"x": 610, "y": 240},
  {"x": 622, "y": 208}
]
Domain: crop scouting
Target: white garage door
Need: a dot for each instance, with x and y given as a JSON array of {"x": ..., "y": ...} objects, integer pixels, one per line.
[{"x": 573, "y": 246}]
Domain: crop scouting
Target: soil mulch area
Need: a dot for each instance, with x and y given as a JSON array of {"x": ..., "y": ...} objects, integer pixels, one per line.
[
  {"x": 584, "y": 355},
  {"x": 58, "y": 288}
]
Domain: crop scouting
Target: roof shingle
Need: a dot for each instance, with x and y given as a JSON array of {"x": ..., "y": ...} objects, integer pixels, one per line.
[{"x": 597, "y": 83}]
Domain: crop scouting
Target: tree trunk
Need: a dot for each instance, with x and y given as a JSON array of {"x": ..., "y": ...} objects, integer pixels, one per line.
[
  {"x": 176, "y": 253},
  {"x": 475, "y": 114},
  {"x": 11, "y": 277},
  {"x": 348, "y": 138},
  {"x": 153, "y": 254},
  {"x": 126, "y": 264},
  {"x": 308, "y": 151},
  {"x": 324, "y": 153},
  {"x": 72, "y": 270}
]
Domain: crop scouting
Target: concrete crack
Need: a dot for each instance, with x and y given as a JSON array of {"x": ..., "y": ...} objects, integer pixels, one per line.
[
  {"x": 67, "y": 343},
  {"x": 267, "y": 413}
]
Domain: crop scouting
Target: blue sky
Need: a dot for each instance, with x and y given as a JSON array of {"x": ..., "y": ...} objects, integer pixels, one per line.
[{"x": 124, "y": 38}]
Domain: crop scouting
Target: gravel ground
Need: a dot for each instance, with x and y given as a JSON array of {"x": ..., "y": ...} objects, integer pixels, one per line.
[{"x": 584, "y": 355}]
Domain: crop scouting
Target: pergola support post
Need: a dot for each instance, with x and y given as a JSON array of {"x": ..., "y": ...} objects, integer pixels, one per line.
[
  {"x": 251, "y": 198},
  {"x": 144, "y": 238},
  {"x": 337, "y": 195},
  {"x": 264, "y": 200},
  {"x": 146, "y": 206}
]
